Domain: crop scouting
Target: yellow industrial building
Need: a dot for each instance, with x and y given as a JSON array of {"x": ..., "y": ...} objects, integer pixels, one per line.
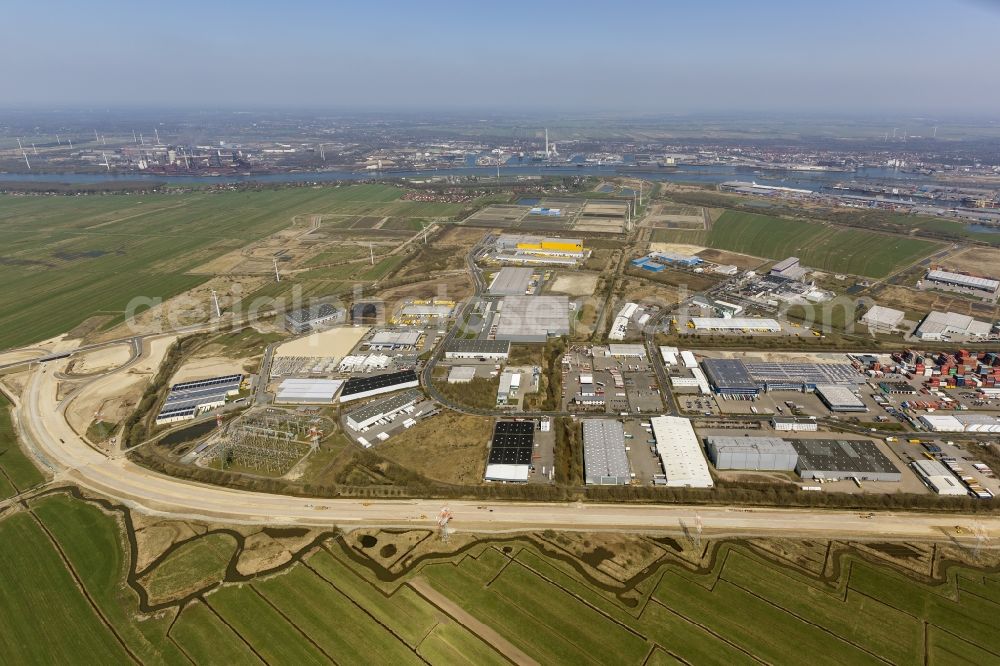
[{"x": 551, "y": 245}]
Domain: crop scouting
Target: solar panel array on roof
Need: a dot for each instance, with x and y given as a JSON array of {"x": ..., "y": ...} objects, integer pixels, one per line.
[
  {"x": 513, "y": 442},
  {"x": 733, "y": 376},
  {"x": 777, "y": 375},
  {"x": 176, "y": 413},
  {"x": 361, "y": 384},
  {"x": 205, "y": 383},
  {"x": 186, "y": 398}
]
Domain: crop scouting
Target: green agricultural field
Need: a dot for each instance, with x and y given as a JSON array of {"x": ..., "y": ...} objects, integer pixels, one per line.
[
  {"x": 65, "y": 259},
  {"x": 557, "y": 598},
  {"x": 819, "y": 246},
  {"x": 37, "y": 593},
  {"x": 685, "y": 236},
  {"x": 17, "y": 472}
]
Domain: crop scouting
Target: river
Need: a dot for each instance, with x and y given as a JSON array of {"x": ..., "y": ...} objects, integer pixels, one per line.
[{"x": 714, "y": 174}]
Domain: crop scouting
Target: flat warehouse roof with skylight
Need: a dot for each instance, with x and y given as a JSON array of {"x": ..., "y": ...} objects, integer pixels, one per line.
[
  {"x": 511, "y": 281},
  {"x": 604, "y": 459},
  {"x": 533, "y": 318},
  {"x": 843, "y": 459}
]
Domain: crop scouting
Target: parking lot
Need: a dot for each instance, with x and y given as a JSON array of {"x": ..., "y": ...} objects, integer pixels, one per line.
[
  {"x": 640, "y": 447},
  {"x": 964, "y": 454},
  {"x": 385, "y": 428},
  {"x": 543, "y": 457}
]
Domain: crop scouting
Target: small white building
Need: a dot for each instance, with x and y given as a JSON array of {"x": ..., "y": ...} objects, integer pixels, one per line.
[
  {"x": 794, "y": 424},
  {"x": 882, "y": 320},
  {"x": 669, "y": 355}
]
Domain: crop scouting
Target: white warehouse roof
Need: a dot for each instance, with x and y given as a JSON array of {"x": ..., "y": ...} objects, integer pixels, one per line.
[
  {"x": 937, "y": 476},
  {"x": 940, "y": 324},
  {"x": 403, "y": 338},
  {"x": 627, "y": 350},
  {"x": 883, "y": 317},
  {"x": 308, "y": 390},
  {"x": 736, "y": 324},
  {"x": 500, "y": 472},
  {"x": 963, "y": 280},
  {"x": 669, "y": 355},
  {"x": 677, "y": 445}
]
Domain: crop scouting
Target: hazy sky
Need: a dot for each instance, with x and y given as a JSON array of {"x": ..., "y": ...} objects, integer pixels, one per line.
[{"x": 667, "y": 56}]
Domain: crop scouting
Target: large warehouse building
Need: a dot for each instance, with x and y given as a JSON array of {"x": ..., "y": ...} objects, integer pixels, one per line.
[
  {"x": 511, "y": 281},
  {"x": 357, "y": 388},
  {"x": 951, "y": 326},
  {"x": 636, "y": 351},
  {"x": 533, "y": 318},
  {"x": 734, "y": 377},
  {"x": 789, "y": 269},
  {"x": 316, "y": 316},
  {"x": 619, "y": 327},
  {"x": 969, "y": 284},
  {"x": 751, "y": 453},
  {"x": 510, "y": 451},
  {"x": 188, "y": 399},
  {"x": 307, "y": 391},
  {"x": 684, "y": 464},
  {"x": 605, "y": 461},
  {"x": 938, "y": 477},
  {"x": 840, "y": 398},
  {"x": 836, "y": 459},
  {"x": 730, "y": 324},
  {"x": 883, "y": 320},
  {"x": 960, "y": 422},
  {"x": 395, "y": 339},
  {"x": 490, "y": 350},
  {"x": 382, "y": 409},
  {"x": 568, "y": 247}
]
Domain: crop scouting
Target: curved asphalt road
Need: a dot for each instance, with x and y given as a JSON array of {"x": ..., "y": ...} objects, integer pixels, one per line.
[{"x": 46, "y": 434}]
